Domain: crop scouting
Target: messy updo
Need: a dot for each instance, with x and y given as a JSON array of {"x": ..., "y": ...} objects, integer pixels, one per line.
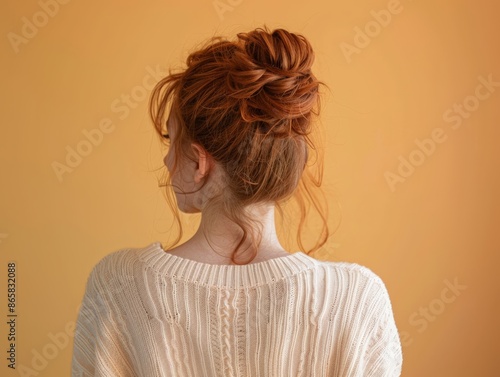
[{"x": 249, "y": 103}]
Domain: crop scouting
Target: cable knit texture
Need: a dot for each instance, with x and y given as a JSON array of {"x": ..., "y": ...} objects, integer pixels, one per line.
[{"x": 148, "y": 313}]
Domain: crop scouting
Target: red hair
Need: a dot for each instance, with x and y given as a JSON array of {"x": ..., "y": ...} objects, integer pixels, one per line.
[{"x": 249, "y": 103}]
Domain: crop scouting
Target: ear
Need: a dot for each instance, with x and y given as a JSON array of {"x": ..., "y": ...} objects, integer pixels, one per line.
[{"x": 203, "y": 162}]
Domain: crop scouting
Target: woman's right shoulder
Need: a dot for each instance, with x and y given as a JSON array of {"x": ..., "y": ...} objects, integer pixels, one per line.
[
  {"x": 348, "y": 269},
  {"x": 351, "y": 277}
]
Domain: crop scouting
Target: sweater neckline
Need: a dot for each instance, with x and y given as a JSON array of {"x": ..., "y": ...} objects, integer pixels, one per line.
[{"x": 227, "y": 276}]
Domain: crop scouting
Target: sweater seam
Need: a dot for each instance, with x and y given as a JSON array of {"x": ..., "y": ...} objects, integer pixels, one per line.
[{"x": 245, "y": 286}]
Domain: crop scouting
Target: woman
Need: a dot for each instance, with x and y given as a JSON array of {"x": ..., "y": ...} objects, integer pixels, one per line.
[{"x": 231, "y": 301}]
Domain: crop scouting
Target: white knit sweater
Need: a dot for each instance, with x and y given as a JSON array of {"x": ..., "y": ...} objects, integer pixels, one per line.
[{"x": 149, "y": 313}]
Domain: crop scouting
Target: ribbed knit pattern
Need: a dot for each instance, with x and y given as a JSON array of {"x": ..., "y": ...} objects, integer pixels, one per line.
[{"x": 149, "y": 313}]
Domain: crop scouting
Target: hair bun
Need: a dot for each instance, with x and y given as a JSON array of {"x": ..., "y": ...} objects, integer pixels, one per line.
[{"x": 271, "y": 77}]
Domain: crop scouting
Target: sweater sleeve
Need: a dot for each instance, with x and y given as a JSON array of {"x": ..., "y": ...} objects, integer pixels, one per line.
[
  {"x": 383, "y": 357},
  {"x": 98, "y": 346}
]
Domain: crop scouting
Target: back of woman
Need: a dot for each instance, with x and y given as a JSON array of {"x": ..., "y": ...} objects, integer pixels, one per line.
[{"x": 231, "y": 301}]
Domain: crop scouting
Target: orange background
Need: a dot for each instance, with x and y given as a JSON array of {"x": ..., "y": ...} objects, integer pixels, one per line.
[{"x": 435, "y": 227}]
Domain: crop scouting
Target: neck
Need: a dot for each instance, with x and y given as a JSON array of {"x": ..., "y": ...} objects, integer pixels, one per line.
[{"x": 218, "y": 235}]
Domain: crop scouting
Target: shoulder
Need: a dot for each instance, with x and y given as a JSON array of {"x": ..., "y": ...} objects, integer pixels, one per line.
[
  {"x": 362, "y": 296},
  {"x": 121, "y": 258},
  {"x": 353, "y": 273},
  {"x": 118, "y": 266},
  {"x": 352, "y": 283}
]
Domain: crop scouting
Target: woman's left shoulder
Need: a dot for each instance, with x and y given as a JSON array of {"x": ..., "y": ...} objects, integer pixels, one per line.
[{"x": 120, "y": 260}]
